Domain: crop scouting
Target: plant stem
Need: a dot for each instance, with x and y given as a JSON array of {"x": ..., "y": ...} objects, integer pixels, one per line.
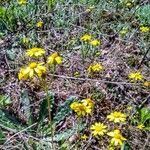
[
  {"x": 50, "y": 4},
  {"x": 49, "y": 113}
]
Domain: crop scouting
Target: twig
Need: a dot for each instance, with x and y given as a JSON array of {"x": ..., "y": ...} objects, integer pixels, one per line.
[
  {"x": 95, "y": 80},
  {"x": 145, "y": 55},
  {"x": 17, "y": 134},
  {"x": 146, "y": 143}
]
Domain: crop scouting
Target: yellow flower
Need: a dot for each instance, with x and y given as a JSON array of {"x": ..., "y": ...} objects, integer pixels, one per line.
[
  {"x": 129, "y": 108},
  {"x": 76, "y": 74},
  {"x": 117, "y": 117},
  {"x": 95, "y": 68},
  {"x": 84, "y": 137},
  {"x": 54, "y": 59},
  {"x": 25, "y": 40},
  {"x": 95, "y": 43},
  {"x": 74, "y": 105},
  {"x": 135, "y": 76},
  {"x": 35, "y": 52},
  {"x": 88, "y": 102},
  {"x": 33, "y": 69},
  {"x": 144, "y": 29},
  {"x": 124, "y": 31},
  {"x": 90, "y": 8},
  {"x": 22, "y": 2},
  {"x": 22, "y": 75},
  {"x": 39, "y": 24},
  {"x": 98, "y": 129},
  {"x": 86, "y": 37},
  {"x": 80, "y": 108},
  {"x": 140, "y": 126},
  {"x": 146, "y": 83},
  {"x": 117, "y": 138},
  {"x": 129, "y": 4}
]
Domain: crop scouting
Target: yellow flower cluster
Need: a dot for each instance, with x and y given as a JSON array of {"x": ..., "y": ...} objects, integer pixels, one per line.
[
  {"x": 39, "y": 24},
  {"x": 95, "y": 42},
  {"x": 36, "y": 69},
  {"x": 146, "y": 84},
  {"x": 22, "y": 2},
  {"x": 88, "y": 38},
  {"x": 144, "y": 29},
  {"x": 25, "y": 40},
  {"x": 95, "y": 68},
  {"x": 124, "y": 31},
  {"x": 129, "y": 4},
  {"x": 117, "y": 117},
  {"x": 82, "y": 108},
  {"x": 54, "y": 59},
  {"x": 98, "y": 129},
  {"x": 140, "y": 126},
  {"x": 33, "y": 69},
  {"x": 90, "y": 9},
  {"x": 35, "y": 52},
  {"x": 136, "y": 76},
  {"x": 117, "y": 138},
  {"x": 84, "y": 137}
]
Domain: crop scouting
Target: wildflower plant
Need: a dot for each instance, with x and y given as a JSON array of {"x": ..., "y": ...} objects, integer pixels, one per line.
[
  {"x": 89, "y": 45},
  {"x": 146, "y": 84},
  {"x": 136, "y": 76},
  {"x": 95, "y": 43},
  {"x": 39, "y": 70},
  {"x": 82, "y": 108},
  {"x": 95, "y": 68},
  {"x": 54, "y": 59},
  {"x": 98, "y": 129},
  {"x": 19, "y": 18},
  {"x": 35, "y": 52},
  {"x": 22, "y": 2},
  {"x": 144, "y": 29},
  {"x": 117, "y": 138},
  {"x": 85, "y": 45},
  {"x": 140, "y": 126},
  {"x": 32, "y": 70},
  {"x": 84, "y": 137},
  {"x": 117, "y": 117},
  {"x": 86, "y": 38},
  {"x": 39, "y": 24}
]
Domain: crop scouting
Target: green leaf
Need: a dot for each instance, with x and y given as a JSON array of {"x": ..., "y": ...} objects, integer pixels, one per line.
[
  {"x": 125, "y": 146},
  {"x": 147, "y": 128},
  {"x": 2, "y": 11},
  {"x": 44, "y": 106},
  {"x": 143, "y": 14},
  {"x": 2, "y": 137},
  {"x": 4, "y": 100},
  {"x": 9, "y": 121},
  {"x": 145, "y": 114},
  {"x": 25, "y": 102},
  {"x": 51, "y": 4},
  {"x": 67, "y": 133},
  {"x": 64, "y": 109},
  {"x": 11, "y": 54}
]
